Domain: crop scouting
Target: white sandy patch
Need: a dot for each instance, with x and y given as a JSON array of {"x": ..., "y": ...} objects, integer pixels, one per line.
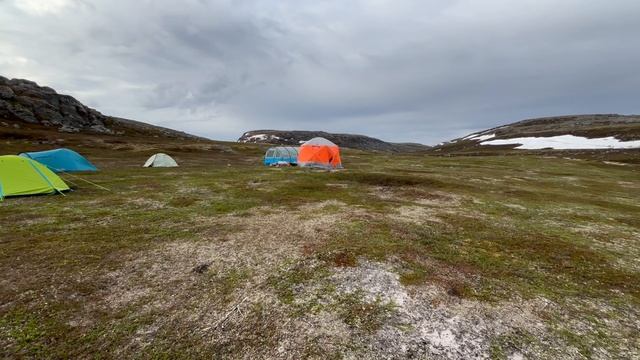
[
  {"x": 36, "y": 221},
  {"x": 615, "y": 163},
  {"x": 565, "y": 142},
  {"x": 148, "y": 203},
  {"x": 515, "y": 206},
  {"x": 629, "y": 184},
  {"x": 186, "y": 189},
  {"x": 415, "y": 214},
  {"x": 337, "y": 185},
  {"x": 442, "y": 326},
  {"x": 261, "y": 242}
]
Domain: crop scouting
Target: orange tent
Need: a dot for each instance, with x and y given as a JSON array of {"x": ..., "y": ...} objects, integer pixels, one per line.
[{"x": 319, "y": 152}]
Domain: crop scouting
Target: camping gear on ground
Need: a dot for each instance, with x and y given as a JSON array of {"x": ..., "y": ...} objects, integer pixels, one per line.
[
  {"x": 281, "y": 154},
  {"x": 281, "y": 164},
  {"x": 22, "y": 176},
  {"x": 160, "y": 160},
  {"x": 61, "y": 160},
  {"x": 320, "y": 153}
]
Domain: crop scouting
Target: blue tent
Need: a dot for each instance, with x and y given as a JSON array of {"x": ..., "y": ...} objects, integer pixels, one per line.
[
  {"x": 61, "y": 160},
  {"x": 280, "y": 154}
]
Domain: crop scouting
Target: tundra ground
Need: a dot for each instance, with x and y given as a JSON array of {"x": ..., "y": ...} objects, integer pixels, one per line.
[{"x": 397, "y": 256}]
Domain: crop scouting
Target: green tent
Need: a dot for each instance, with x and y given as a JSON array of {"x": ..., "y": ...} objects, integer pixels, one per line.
[{"x": 23, "y": 176}]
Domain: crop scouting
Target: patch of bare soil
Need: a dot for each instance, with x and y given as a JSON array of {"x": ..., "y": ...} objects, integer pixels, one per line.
[
  {"x": 417, "y": 195},
  {"x": 428, "y": 207},
  {"x": 193, "y": 284},
  {"x": 217, "y": 291},
  {"x": 487, "y": 181},
  {"x": 421, "y": 322},
  {"x": 148, "y": 203},
  {"x": 515, "y": 206},
  {"x": 416, "y": 214},
  {"x": 427, "y": 322},
  {"x": 337, "y": 185},
  {"x": 625, "y": 243},
  {"x": 430, "y": 323},
  {"x": 615, "y": 163},
  {"x": 628, "y": 184}
]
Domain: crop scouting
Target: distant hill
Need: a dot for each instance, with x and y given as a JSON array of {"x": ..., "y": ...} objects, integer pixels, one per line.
[
  {"x": 295, "y": 138},
  {"x": 25, "y": 104},
  {"x": 575, "y": 132}
]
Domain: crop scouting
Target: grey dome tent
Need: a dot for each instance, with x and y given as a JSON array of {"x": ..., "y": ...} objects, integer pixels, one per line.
[
  {"x": 160, "y": 160},
  {"x": 281, "y": 154}
]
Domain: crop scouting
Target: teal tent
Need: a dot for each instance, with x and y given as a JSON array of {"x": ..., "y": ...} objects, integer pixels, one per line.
[{"x": 61, "y": 160}]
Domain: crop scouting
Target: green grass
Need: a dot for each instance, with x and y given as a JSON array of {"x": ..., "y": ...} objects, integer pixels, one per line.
[
  {"x": 225, "y": 284},
  {"x": 364, "y": 316},
  {"x": 26, "y": 331},
  {"x": 498, "y": 228}
]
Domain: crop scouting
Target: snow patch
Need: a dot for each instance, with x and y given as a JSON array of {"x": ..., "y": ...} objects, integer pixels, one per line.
[
  {"x": 260, "y": 137},
  {"x": 483, "y": 137},
  {"x": 565, "y": 142},
  {"x": 479, "y": 137}
]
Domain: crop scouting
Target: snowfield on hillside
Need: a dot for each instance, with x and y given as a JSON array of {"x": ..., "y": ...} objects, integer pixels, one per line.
[
  {"x": 480, "y": 137},
  {"x": 260, "y": 137},
  {"x": 565, "y": 142}
]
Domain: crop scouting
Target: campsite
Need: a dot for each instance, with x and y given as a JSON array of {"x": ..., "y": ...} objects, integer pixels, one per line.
[
  {"x": 341, "y": 180},
  {"x": 224, "y": 255}
]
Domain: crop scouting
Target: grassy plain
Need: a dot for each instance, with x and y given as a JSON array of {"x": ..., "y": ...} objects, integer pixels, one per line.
[{"x": 396, "y": 256}]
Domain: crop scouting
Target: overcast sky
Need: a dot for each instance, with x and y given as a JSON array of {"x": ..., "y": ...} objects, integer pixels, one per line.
[{"x": 401, "y": 70}]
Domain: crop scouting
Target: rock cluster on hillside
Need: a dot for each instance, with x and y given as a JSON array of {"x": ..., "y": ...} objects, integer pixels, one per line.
[{"x": 26, "y": 101}]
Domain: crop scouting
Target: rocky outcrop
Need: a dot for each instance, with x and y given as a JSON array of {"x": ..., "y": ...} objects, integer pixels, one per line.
[
  {"x": 27, "y": 102},
  {"x": 295, "y": 138}
]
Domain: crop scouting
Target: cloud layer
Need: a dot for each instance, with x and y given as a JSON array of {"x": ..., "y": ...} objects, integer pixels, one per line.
[{"x": 422, "y": 70}]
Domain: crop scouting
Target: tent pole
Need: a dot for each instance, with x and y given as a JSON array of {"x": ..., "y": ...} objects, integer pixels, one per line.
[{"x": 45, "y": 178}]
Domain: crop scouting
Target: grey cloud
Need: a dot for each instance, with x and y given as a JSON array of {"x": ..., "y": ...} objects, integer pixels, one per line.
[
  {"x": 184, "y": 95},
  {"x": 401, "y": 70}
]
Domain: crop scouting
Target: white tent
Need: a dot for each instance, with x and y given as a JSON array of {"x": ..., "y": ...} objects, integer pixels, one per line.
[{"x": 160, "y": 160}]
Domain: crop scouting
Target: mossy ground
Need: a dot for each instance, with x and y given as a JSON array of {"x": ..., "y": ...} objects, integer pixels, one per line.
[{"x": 149, "y": 268}]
